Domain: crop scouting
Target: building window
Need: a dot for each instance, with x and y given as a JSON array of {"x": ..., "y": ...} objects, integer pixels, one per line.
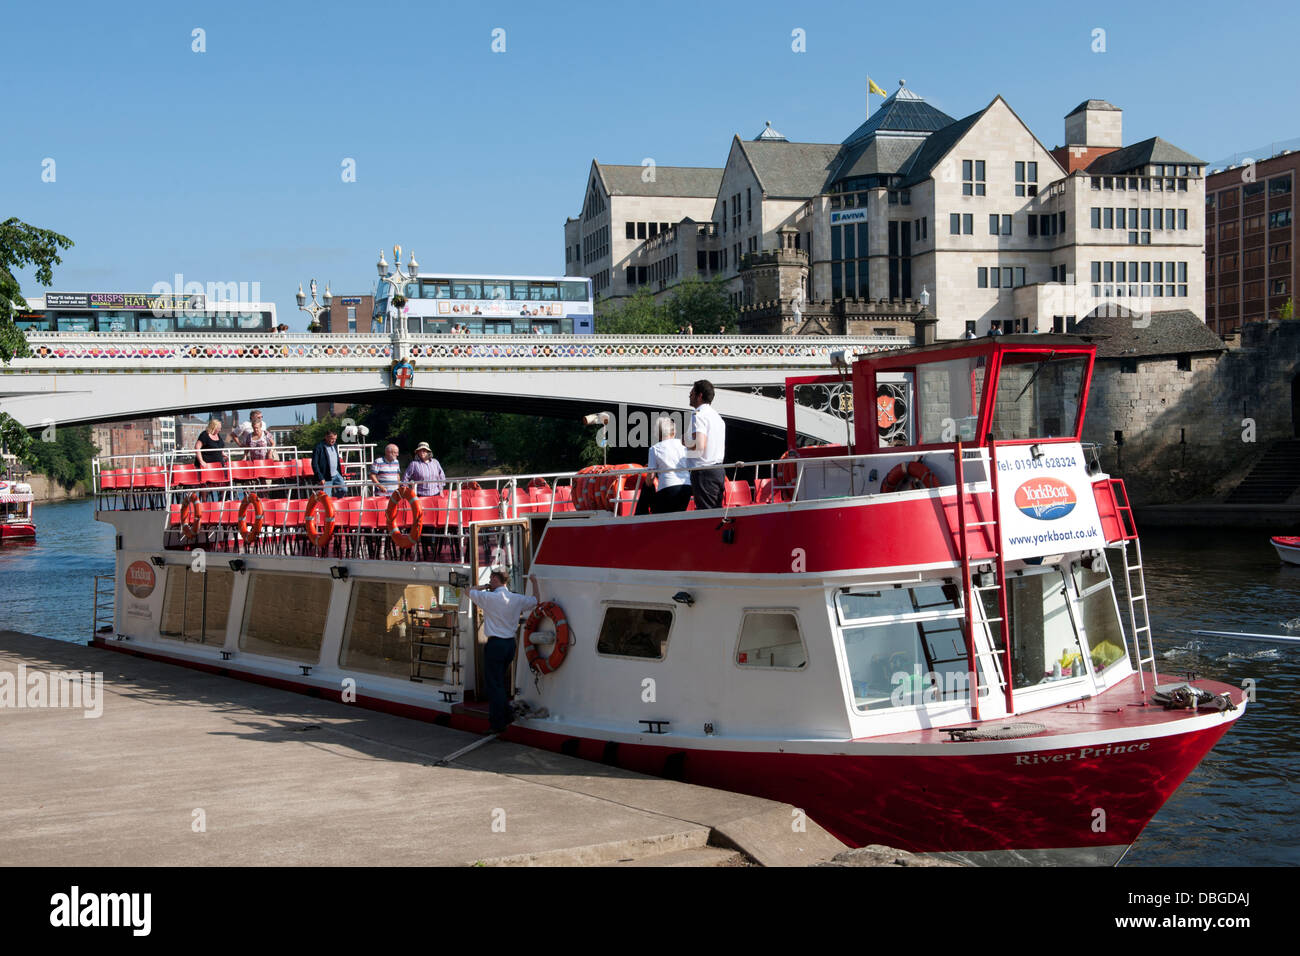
[
  {"x": 1020, "y": 276},
  {"x": 972, "y": 177},
  {"x": 993, "y": 224},
  {"x": 1095, "y": 221},
  {"x": 1184, "y": 363},
  {"x": 1182, "y": 219},
  {"x": 1279, "y": 185},
  {"x": 1279, "y": 219},
  {"x": 1026, "y": 179},
  {"x": 1006, "y": 225},
  {"x": 1128, "y": 366},
  {"x": 1108, "y": 218},
  {"x": 968, "y": 224},
  {"x": 982, "y": 278},
  {"x": 954, "y": 224}
]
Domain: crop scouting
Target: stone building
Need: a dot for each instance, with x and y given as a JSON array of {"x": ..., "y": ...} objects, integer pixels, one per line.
[
  {"x": 975, "y": 214},
  {"x": 1177, "y": 413}
]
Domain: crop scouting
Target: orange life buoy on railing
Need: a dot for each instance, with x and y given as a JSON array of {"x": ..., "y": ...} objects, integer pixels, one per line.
[
  {"x": 191, "y": 520},
  {"x": 250, "y": 532},
  {"x": 551, "y": 663},
  {"x": 319, "y": 535},
  {"x": 786, "y": 475},
  {"x": 588, "y": 487},
  {"x": 405, "y": 539},
  {"x": 915, "y": 474}
]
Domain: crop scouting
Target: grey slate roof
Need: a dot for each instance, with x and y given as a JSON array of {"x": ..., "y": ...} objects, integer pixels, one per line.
[
  {"x": 1093, "y": 105},
  {"x": 1176, "y": 332},
  {"x": 790, "y": 170},
  {"x": 902, "y": 111},
  {"x": 694, "y": 181},
  {"x": 1153, "y": 150},
  {"x": 884, "y": 155}
]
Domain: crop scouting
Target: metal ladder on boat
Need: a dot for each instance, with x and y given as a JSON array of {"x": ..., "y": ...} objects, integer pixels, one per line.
[
  {"x": 101, "y": 605},
  {"x": 989, "y": 556},
  {"x": 1135, "y": 587}
]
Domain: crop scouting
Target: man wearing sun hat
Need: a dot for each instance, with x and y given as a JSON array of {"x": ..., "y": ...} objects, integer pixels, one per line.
[{"x": 424, "y": 471}]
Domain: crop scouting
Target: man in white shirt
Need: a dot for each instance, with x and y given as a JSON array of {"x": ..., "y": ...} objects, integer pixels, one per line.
[
  {"x": 706, "y": 440},
  {"x": 502, "y": 610},
  {"x": 668, "y": 459}
]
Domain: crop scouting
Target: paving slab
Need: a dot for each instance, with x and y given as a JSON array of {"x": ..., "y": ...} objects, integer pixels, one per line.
[{"x": 189, "y": 768}]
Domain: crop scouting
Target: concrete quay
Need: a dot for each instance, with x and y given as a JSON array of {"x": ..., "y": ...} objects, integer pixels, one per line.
[{"x": 187, "y": 768}]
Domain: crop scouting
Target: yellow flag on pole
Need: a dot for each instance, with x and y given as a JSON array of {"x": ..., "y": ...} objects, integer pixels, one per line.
[{"x": 872, "y": 88}]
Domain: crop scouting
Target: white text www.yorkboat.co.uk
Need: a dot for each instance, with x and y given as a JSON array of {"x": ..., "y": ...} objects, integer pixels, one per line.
[{"x": 35, "y": 689}]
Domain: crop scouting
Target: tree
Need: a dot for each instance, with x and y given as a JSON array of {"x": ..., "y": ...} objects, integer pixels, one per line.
[
  {"x": 1288, "y": 309},
  {"x": 639, "y": 315},
  {"x": 21, "y": 245},
  {"x": 66, "y": 459},
  {"x": 703, "y": 306}
]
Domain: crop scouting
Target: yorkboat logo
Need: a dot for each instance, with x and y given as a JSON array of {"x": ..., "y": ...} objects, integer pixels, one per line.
[{"x": 1045, "y": 499}]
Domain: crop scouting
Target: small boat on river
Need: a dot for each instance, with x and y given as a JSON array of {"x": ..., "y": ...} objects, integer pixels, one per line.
[{"x": 16, "y": 504}]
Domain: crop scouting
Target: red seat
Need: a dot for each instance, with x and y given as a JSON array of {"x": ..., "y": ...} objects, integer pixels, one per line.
[
  {"x": 174, "y": 516},
  {"x": 155, "y": 477},
  {"x": 478, "y": 506},
  {"x": 185, "y": 476},
  {"x": 243, "y": 470},
  {"x": 265, "y": 471},
  {"x": 737, "y": 495},
  {"x": 541, "y": 501},
  {"x": 214, "y": 473},
  {"x": 563, "y": 498},
  {"x": 763, "y": 487},
  {"x": 114, "y": 479}
]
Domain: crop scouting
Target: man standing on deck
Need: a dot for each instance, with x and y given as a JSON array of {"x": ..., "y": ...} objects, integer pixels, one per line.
[
  {"x": 706, "y": 440},
  {"x": 325, "y": 465},
  {"x": 502, "y": 609}
]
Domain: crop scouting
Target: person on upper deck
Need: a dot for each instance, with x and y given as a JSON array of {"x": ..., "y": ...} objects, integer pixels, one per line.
[
  {"x": 706, "y": 440},
  {"x": 209, "y": 446},
  {"x": 386, "y": 472},
  {"x": 325, "y": 464},
  {"x": 424, "y": 471},
  {"x": 673, "y": 484},
  {"x": 254, "y": 436}
]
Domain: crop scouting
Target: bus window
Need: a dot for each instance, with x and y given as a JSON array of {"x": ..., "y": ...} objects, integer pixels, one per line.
[
  {"x": 436, "y": 326},
  {"x": 76, "y": 323},
  {"x": 435, "y": 289},
  {"x": 411, "y": 290},
  {"x": 152, "y": 323},
  {"x": 255, "y": 320},
  {"x": 499, "y": 327},
  {"x": 113, "y": 323},
  {"x": 566, "y": 326},
  {"x": 573, "y": 291},
  {"x": 224, "y": 320},
  {"x": 543, "y": 291},
  {"x": 475, "y": 327},
  {"x": 466, "y": 289},
  {"x": 496, "y": 290},
  {"x": 519, "y": 291},
  {"x": 197, "y": 323}
]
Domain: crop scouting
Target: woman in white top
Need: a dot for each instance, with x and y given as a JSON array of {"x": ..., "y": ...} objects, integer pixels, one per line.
[{"x": 668, "y": 459}]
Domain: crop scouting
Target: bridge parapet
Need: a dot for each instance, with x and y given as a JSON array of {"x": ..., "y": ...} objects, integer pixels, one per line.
[{"x": 150, "y": 352}]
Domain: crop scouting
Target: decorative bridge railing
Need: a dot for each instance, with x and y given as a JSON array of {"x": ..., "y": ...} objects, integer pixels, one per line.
[{"x": 200, "y": 351}]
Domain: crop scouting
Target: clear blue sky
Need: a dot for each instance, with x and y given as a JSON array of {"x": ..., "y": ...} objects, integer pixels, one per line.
[{"x": 225, "y": 165}]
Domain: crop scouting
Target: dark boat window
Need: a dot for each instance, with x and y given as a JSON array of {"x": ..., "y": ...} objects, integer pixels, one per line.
[{"x": 635, "y": 632}]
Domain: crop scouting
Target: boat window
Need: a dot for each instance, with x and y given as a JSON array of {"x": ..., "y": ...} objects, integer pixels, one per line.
[
  {"x": 1044, "y": 645},
  {"x": 384, "y": 617},
  {"x": 196, "y": 606},
  {"x": 635, "y": 632},
  {"x": 1038, "y": 396},
  {"x": 1099, "y": 616},
  {"x": 948, "y": 396},
  {"x": 771, "y": 639},
  {"x": 284, "y": 615},
  {"x": 904, "y": 646}
]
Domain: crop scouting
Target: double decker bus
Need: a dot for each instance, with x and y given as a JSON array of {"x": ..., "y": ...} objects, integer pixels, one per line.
[
  {"x": 143, "y": 312},
  {"x": 490, "y": 305}
]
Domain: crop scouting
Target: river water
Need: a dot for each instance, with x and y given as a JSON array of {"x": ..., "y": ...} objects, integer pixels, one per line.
[{"x": 1237, "y": 808}]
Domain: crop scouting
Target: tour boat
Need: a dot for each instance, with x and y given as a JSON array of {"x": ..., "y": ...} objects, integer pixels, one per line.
[
  {"x": 915, "y": 638},
  {"x": 1287, "y": 548},
  {"x": 16, "y": 511}
]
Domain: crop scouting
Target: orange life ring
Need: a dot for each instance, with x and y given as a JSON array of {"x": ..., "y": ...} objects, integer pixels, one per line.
[
  {"x": 190, "y": 525},
  {"x": 588, "y": 487},
  {"x": 319, "y": 536},
  {"x": 916, "y": 473},
  {"x": 551, "y": 663},
  {"x": 539, "y": 483},
  {"x": 250, "y": 532},
  {"x": 405, "y": 539}
]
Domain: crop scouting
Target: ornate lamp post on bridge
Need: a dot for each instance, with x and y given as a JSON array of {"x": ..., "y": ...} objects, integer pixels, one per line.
[
  {"x": 397, "y": 280},
  {"x": 314, "y": 310}
]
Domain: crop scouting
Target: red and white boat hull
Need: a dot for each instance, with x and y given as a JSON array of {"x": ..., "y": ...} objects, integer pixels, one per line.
[{"x": 1288, "y": 548}]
